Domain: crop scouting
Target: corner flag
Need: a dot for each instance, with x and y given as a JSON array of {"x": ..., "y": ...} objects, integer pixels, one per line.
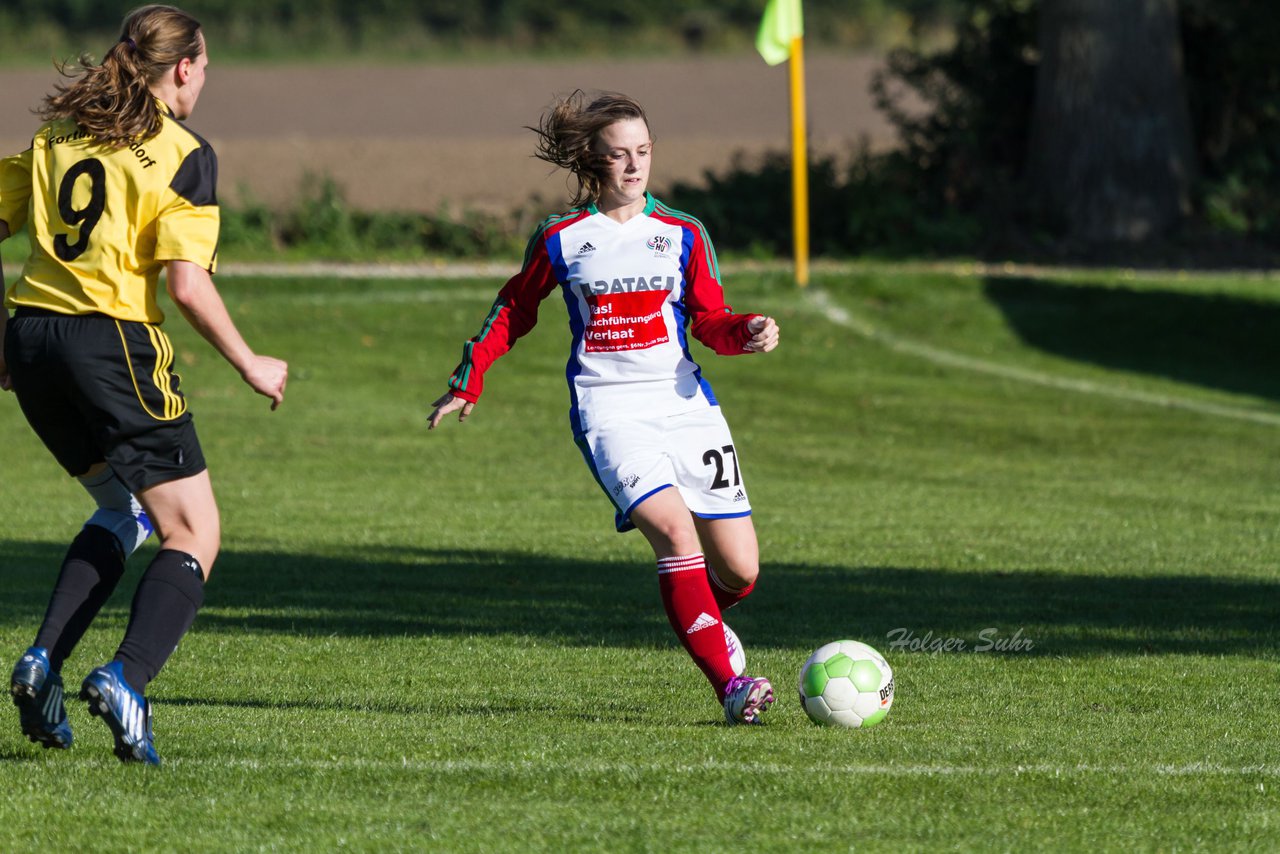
[
  {"x": 782, "y": 22},
  {"x": 781, "y": 38}
]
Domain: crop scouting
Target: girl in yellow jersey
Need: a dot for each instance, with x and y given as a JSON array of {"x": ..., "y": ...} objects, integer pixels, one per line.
[{"x": 114, "y": 189}]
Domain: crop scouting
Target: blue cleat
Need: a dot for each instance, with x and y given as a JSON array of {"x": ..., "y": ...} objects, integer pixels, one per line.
[
  {"x": 125, "y": 711},
  {"x": 37, "y": 692}
]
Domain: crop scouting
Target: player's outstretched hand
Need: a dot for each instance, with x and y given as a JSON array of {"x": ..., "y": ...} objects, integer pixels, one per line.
[
  {"x": 267, "y": 376},
  {"x": 764, "y": 335},
  {"x": 448, "y": 403}
]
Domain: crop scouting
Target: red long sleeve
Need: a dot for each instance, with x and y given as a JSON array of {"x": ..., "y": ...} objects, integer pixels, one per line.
[
  {"x": 514, "y": 313},
  {"x": 713, "y": 321}
]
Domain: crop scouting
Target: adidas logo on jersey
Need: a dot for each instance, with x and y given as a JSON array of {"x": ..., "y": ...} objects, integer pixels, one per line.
[
  {"x": 704, "y": 621},
  {"x": 741, "y": 496},
  {"x": 585, "y": 248}
]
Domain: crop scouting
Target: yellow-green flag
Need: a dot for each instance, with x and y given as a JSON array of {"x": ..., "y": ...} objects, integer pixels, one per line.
[{"x": 781, "y": 23}]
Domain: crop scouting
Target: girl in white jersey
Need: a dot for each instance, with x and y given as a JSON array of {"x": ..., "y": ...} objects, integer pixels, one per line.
[{"x": 637, "y": 277}]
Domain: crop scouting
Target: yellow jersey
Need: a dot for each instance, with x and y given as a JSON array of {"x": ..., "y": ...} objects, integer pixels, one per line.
[{"x": 104, "y": 220}]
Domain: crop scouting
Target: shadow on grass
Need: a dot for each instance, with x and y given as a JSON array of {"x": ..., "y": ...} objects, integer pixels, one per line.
[
  {"x": 462, "y": 593},
  {"x": 602, "y": 713},
  {"x": 1216, "y": 341},
  {"x": 24, "y": 755},
  {"x": 377, "y": 705}
]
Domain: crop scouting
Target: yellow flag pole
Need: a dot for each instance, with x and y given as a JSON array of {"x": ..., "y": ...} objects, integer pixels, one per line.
[{"x": 799, "y": 164}]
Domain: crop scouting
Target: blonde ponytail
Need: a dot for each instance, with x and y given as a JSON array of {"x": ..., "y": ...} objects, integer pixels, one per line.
[{"x": 112, "y": 100}]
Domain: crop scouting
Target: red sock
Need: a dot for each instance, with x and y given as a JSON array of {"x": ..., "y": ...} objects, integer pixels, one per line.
[
  {"x": 695, "y": 616},
  {"x": 726, "y": 596}
]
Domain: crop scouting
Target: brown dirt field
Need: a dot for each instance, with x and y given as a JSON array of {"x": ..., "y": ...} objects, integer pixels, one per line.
[{"x": 414, "y": 137}]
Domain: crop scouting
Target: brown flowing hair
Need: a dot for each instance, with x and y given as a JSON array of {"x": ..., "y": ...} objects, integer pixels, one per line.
[
  {"x": 112, "y": 100},
  {"x": 567, "y": 134}
]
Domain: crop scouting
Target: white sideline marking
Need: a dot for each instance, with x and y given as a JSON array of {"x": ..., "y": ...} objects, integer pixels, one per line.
[
  {"x": 841, "y": 317},
  {"x": 579, "y": 768},
  {"x": 818, "y": 298},
  {"x": 472, "y": 269},
  {"x": 341, "y": 270}
]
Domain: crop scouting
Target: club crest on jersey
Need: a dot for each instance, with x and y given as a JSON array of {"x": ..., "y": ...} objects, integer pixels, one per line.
[{"x": 659, "y": 244}]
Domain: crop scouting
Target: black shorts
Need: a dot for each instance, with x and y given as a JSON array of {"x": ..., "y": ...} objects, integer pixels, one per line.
[{"x": 99, "y": 389}]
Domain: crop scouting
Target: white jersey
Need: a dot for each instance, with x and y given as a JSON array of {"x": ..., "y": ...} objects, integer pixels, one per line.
[{"x": 633, "y": 291}]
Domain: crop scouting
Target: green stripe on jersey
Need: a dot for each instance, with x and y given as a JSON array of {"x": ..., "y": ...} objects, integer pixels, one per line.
[
  {"x": 712, "y": 263},
  {"x": 550, "y": 221},
  {"x": 463, "y": 375}
]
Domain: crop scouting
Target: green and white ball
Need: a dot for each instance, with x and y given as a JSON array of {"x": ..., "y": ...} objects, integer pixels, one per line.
[{"x": 846, "y": 684}]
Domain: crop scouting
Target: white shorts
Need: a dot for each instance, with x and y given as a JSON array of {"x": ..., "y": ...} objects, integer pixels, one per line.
[{"x": 635, "y": 457}]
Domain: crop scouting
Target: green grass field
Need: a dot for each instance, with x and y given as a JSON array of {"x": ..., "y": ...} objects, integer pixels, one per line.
[{"x": 421, "y": 641}]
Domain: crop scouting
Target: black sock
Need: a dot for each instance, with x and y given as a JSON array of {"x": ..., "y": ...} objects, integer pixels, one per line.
[
  {"x": 164, "y": 606},
  {"x": 90, "y": 572}
]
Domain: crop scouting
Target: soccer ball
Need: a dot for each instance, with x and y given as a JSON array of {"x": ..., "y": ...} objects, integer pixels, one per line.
[{"x": 847, "y": 684}]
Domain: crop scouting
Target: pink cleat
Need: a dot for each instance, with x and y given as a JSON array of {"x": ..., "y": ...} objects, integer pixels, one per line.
[{"x": 746, "y": 698}]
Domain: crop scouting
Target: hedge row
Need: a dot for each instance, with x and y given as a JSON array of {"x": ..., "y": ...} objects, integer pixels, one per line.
[{"x": 271, "y": 28}]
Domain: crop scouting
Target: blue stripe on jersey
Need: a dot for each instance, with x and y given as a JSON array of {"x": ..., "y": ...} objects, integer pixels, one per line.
[
  {"x": 578, "y": 329},
  {"x": 581, "y": 442},
  {"x": 722, "y": 515},
  {"x": 680, "y": 308},
  {"x": 713, "y": 265},
  {"x": 622, "y": 521},
  {"x": 555, "y": 254}
]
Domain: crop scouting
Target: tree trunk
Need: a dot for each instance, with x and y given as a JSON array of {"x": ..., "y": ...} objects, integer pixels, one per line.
[{"x": 1111, "y": 156}]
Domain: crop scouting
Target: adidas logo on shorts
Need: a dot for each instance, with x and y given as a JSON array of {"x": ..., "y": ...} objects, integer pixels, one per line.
[
  {"x": 704, "y": 621},
  {"x": 741, "y": 496}
]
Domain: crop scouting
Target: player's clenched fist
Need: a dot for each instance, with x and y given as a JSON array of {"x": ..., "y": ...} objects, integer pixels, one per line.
[{"x": 764, "y": 334}]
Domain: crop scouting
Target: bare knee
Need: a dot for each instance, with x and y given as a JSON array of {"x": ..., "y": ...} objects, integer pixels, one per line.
[
  {"x": 211, "y": 545},
  {"x": 186, "y": 517},
  {"x": 202, "y": 543},
  {"x": 738, "y": 575},
  {"x": 733, "y": 553},
  {"x": 671, "y": 538}
]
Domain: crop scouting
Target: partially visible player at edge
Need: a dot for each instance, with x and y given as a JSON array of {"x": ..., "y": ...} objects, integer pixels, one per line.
[
  {"x": 113, "y": 189},
  {"x": 635, "y": 276}
]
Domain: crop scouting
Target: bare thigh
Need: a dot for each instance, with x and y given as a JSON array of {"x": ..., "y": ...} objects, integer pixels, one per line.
[{"x": 667, "y": 524}]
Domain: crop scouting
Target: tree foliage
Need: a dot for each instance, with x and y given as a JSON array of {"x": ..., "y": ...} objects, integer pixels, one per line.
[
  {"x": 958, "y": 182},
  {"x": 1110, "y": 155},
  {"x": 1234, "y": 89},
  {"x": 968, "y": 147}
]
